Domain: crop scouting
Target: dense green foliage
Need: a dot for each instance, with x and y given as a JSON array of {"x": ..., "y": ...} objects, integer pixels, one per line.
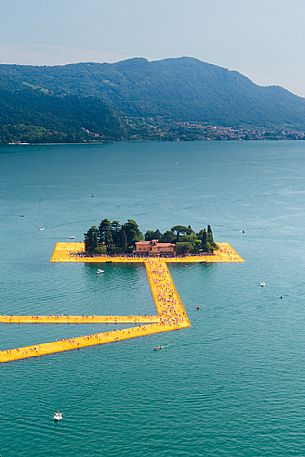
[
  {"x": 112, "y": 237},
  {"x": 38, "y": 117},
  {"x": 91, "y": 239},
  {"x": 115, "y": 238},
  {"x": 134, "y": 99}
]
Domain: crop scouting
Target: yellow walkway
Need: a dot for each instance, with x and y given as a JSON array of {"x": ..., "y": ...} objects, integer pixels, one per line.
[
  {"x": 171, "y": 312},
  {"x": 172, "y": 316},
  {"x": 82, "y": 341},
  {"x": 59, "y": 319},
  {"x": 69, "y": 252}
]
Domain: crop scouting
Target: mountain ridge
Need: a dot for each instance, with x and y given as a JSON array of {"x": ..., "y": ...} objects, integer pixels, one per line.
[{"x": 136, "y": 98}]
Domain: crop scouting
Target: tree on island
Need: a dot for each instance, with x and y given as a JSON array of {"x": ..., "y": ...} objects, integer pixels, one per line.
[
  {"x": 133, "y": 233},
  {"x": 116, "y": 232},
  {"x": 112, "y": 237},
  {"x": 123, "y": 241},
  {"x": 205, "y": 245},
  {"x": 210, "y": 238},
  {"x": 184, "y": 247},
  {"x": 153, "y": 235},
  {"x": 105, "y": 233},
  {"x": 91, "y": 239},
  {"x": 168, "y": 237},
  {"x": 203, "y": 236},
  {"x": 181, "y": 229}
]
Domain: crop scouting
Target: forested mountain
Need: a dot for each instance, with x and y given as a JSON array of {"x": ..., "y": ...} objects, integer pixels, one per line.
[{"x": 136, "y": 99}]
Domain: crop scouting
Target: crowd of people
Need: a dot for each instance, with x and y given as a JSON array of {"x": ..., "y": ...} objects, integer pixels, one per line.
[{"x": 168, "y": 303}]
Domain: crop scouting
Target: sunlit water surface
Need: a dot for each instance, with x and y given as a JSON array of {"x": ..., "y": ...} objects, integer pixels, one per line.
[{"x": 231, "y": 385}]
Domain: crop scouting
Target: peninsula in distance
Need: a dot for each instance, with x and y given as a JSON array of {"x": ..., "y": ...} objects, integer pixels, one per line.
[{"x": 136, "y": 99}]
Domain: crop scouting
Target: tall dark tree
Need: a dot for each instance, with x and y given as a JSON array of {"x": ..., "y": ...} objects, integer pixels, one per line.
[
  {"x": 91, "y": 239},
  {"x": 210, "y": 237},
  {"x": 205, "y": 245},
  {"x": 123, "y": 240},
  {"x": 158, "y": 235},
  {"x": 132, "y": 231},
  {"x": 149, "y": 235},
  {"x": 115, "y": 230},
  {"x": 203, "y": 238},
  {"x": 105, "y": 233},
  {"x": 153, "y": 235}
]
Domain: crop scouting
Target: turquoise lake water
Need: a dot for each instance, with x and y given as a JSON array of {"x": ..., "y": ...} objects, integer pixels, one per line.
[{"x": 231, "y": 385}]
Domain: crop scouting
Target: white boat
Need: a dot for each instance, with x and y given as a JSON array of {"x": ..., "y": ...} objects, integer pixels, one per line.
[
  {"x": 99, "y": 271},
  {"x": 157, "y": 348},
  {"x": 42, "y": 229},
  {"x": 57, "y": 416},
  {"x": 71, "y": 237},
  {"x": 262, "y": 284}
]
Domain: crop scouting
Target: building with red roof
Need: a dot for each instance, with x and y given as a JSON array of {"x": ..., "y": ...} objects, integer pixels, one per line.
[{"x": 154, "y": 248}]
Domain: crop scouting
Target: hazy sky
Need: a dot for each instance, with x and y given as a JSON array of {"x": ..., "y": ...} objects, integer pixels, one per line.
[{"x": 263, "y": 39}]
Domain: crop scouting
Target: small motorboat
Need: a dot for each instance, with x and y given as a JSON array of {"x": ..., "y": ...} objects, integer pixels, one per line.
[
  {"x": 57, "y": 416},
  {"x": 42, "y": 229},
  {"x": 71, "y": 237},
  {"x": 157, "y": 348},
  {"x": 262, "y": 284},
  {"x": 99, "y": 271}
]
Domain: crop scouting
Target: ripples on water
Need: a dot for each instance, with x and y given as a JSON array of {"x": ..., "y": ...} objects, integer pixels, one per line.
[{"x": 232, "y": 384}]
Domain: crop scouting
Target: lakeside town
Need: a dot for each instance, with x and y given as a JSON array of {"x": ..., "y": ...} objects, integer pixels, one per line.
[
  {"x": 152, "y": 129},
  {"x": 166, "y": 130}
]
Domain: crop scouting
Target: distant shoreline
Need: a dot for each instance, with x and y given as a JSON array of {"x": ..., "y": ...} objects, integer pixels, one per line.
[{"x": 267, "y": 140}]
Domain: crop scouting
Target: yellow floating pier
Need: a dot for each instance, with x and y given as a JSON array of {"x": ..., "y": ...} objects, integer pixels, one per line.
[
  {"x": 171, "y": 313},
  {"x": 59, "y": 319},
  {"x": 82, "y": 341}
]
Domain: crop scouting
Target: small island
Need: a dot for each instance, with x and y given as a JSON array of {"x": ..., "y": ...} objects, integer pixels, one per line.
[{"x": 112, "y": 238}]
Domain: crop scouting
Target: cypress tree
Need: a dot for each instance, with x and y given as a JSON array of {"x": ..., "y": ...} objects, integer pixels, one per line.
[
  {"x": 204, "y": 240},
  {"x": 210, "y": 237},
  {"x": 124, "y": 243}
]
